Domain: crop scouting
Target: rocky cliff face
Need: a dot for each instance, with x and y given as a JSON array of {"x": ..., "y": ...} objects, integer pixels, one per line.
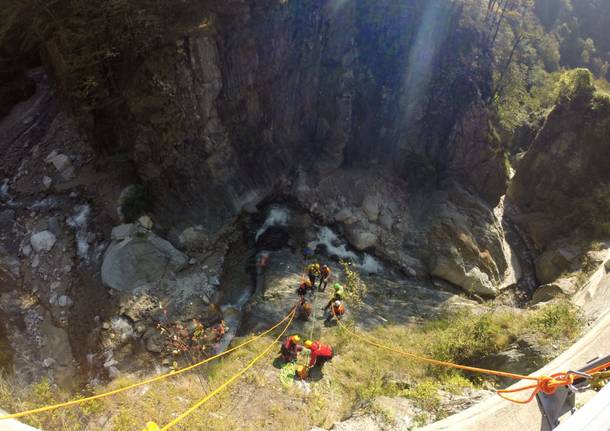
[
  {"x": 264, "y": 89},
  {"x": 561, "y": 185}
]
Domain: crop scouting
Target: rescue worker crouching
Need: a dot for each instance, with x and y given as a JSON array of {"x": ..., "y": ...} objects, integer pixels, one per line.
[
  {"x": 337, "y": 310},
  {"x": 304, "y": 310},
  {"x": 304, "y": 288},
  {"x": 320, "y": 353},
  {"x": 291, "y": 348}
]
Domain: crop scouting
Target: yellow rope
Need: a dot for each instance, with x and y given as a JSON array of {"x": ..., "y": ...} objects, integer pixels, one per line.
[
  {"x": 144, "y": 382},
  {"x": 229, "y": 381}
]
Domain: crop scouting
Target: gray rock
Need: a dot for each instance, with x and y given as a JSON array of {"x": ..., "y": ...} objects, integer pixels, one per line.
[
  {"x": 360, "y": 238},
  {"x": 346, "y": 215},
  {"x": 370, "y": 206},
  {"x": 386, "y": 220},
  {"x": 48, "y": 362},
  {"x": 64, "y": 301},
  {"x": 193, "y": 238},
  {"x": 561, "y": 288},
  {"x": 43, "y": 241},
  {"x": 400, "y": 411},
  {"x": 214, "y": 280},
  {"x": 63, "y": 165},
  {"x": 472, "y": 279},
  {"x": 47, "y": 182},
  {"x": 552, "y": 263},
  {"x": 53, "y": 226},
  {"x": 361, "y": 422},
  {"x": 122, "y": 231},
  {"x": 155, "y": 342},
  {"x": 146, "y": 222},
  {"x": 26, "y": 250},
  {"x": 607, "y": 265},
  {"x": 140, "y": 259}
]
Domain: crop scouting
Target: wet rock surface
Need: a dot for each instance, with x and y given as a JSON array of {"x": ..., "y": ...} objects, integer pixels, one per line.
[{"x": 464, "y": 241}]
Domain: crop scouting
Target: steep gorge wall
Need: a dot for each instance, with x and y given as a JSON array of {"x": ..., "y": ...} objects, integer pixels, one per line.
[{"x": 264, "y": 89}]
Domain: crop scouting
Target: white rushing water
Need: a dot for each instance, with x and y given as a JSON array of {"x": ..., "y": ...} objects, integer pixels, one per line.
[
  {"x": 4, "y": 188},
  {"x": 277, "y": 216},
  {"x": 78, "y": 221},
  {"x": 122, "y": 328},
  {"x": 335, "y": 246}
]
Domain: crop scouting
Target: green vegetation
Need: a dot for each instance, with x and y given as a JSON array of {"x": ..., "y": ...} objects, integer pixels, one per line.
[
  {"x": 534, "y": 42},
  {"x": 354, "y": 379},
  {"x": 558, "y": 320},
  {"x": 355, "y": 288},
  {"x": 575, "y": 83}
]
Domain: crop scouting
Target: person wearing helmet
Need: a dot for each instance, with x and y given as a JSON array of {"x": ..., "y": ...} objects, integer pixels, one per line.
[
  {"x": 304, "y": 310},
  {"x": 304, "y": 288},
  {"x": 313, "y": 271},
  {"x": 324, "y": 277},
  {"x": 291, "y": 348},
  {"x": 338, "y": 291},
  {"x": 337, "y": 310},
  {"x": 337, "y": 295},
  {"x": 320, "y": 353}
]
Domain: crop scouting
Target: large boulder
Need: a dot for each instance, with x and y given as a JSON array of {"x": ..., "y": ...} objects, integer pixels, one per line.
[
  {"x": 359, "y": 237},
  {"x": 139, "y": 259},
  {"x": 193, "y": 238},
  {"x": 370, "y": 206},
  {"x": 552, "y": 263},
  {"x": 561, "y": 288},
  {"x": 471, "y": 279}
]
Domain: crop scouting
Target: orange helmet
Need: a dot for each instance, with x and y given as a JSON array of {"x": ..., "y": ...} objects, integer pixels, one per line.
[{"x": 295, "y": 339}]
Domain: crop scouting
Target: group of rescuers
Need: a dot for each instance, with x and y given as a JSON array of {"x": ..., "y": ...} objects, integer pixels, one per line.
[{"x": 319, "y": 352}]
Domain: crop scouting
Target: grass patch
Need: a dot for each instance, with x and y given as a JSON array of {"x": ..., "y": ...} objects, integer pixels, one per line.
[
  {"x": 352, "y": 380},
  {"x": 557, "y": 320}
]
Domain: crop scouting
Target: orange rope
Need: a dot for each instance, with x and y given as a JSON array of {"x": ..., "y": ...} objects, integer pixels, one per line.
[{"x": 545, "y": 384}]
